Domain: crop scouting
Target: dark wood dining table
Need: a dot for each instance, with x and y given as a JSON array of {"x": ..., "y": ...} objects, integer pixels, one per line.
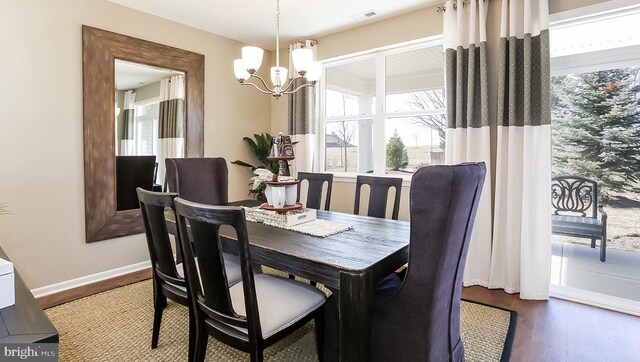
[{"x": 350, "y": 264}]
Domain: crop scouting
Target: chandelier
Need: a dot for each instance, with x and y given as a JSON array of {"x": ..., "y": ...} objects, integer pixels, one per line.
[{"x": 247, "y": 67}]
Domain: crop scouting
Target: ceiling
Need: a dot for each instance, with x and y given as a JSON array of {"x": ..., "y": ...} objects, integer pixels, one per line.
[
  {"x": 406, "y": 64},
  {"x": 133, "y": 76},
  {"x": 253, "y": 21}
]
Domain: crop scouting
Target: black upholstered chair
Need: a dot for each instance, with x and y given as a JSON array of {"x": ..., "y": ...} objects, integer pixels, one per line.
[
  {"x": 251, "y": 315},
  {"x": 378, "y": 195},
  {"x": 418, "y": 318},
  {"x": 204, "y": 180},
  {"x": 168, "y": 278},
  {"x": 316, "y": 182},
  {"x": 132, "y": 172},
  {"x": 572, "y": 197}
]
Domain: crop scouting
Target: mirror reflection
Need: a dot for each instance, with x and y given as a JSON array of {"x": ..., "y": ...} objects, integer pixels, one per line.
[{"x": 149, "y": 127}]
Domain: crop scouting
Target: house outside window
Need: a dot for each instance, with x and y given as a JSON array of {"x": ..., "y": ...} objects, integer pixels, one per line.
[{"x": 383, "y": 112}]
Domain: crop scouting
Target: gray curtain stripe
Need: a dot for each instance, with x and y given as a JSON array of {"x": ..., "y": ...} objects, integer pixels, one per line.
[
  {"x": 525, "y": 71},
  {"x": 467, "y": 87},
  {"x": 302, "y": 109},
  {"x": 127, "y": 124},
  {"x": 171, "y": 119}
]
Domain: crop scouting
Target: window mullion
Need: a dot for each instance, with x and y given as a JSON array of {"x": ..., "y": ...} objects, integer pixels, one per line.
[{"x": 378, "y": 119}]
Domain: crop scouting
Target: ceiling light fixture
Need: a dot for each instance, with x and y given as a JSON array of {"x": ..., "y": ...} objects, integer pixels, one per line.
[{"x": 247, "y": 67}]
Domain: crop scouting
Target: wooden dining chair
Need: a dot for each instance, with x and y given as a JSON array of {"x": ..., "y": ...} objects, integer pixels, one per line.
[
  {"x": 417, "y": 317},
  {"x": 251, "y": 315},
  {"x": 204, "y": 180},
  {"x": 168, "y": 277},
  {"x": 316, "y": 183},
  {"x": 378, "y": 195}
]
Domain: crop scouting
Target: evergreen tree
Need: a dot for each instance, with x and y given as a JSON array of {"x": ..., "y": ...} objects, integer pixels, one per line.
[
  {"x": 596, "y": 128},
  {"x": 397, "y": 156}
]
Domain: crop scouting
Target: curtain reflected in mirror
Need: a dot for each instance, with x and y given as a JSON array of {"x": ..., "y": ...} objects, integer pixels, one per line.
[{"x": 150, "y": 122}]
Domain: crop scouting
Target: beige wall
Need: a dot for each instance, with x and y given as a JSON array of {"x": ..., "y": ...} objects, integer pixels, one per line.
[
  {"x": 149, "y": 91},
  {"x": 41, "y": 147},
  {"x": 407, "y": 27}
]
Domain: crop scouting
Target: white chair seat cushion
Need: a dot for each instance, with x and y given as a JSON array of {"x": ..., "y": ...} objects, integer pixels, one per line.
[
  {"x": 281, "y": 302},
  {"x": 231, "y": 266}
]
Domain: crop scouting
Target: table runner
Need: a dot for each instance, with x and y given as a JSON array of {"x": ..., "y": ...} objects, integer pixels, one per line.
[{"x": 318, "y": 227}]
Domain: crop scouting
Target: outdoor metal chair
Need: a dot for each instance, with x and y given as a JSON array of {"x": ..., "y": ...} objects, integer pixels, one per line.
[{"x": 572, "y": 197}]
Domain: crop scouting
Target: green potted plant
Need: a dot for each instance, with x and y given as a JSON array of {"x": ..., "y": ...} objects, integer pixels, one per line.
[{"x": 260, "y": 145}]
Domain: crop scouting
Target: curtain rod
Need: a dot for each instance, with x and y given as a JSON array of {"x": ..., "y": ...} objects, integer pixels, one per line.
[{"x": 442, "y": 8}]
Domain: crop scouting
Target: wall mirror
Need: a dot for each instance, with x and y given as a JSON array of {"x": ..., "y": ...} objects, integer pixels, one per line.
[{"x": 142, "y": 102}]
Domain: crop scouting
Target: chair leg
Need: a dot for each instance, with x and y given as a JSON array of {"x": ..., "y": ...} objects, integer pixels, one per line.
[
  {"x": 603, "y": 249},
  {"x": 593, "y": 243},
  {"x": 192, "y": 334},
  {"x": 200, "y": 344},
  {"x": 160, "y": 303},
  {"x": 257, "y": 355},
  {"x": 319, "y": 322}
]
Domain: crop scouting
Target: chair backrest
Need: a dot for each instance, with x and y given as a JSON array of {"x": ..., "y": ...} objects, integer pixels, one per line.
[
  {"x": 443, "y": 205},
  {"x": 203, "y": 180},
  {"x": 574, "y": 194},
  {"x": 153, "y": 206},
  {"x": 132, "y": 172},
  {"x": 314, "y": 191},
  {"x": 378, "y": 195},
  {"x": 203, "y": 245}
]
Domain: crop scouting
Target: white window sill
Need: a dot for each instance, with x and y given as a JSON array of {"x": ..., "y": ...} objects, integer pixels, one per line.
[{"x": 345, "y": 177}]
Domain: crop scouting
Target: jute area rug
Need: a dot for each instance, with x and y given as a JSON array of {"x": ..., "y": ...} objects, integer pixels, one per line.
[{"x": 116, "y": 326}]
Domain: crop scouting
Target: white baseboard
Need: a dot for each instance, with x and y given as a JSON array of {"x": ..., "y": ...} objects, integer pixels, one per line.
[
  {"x": 599, "y": 300},
  {"x": 89, "y": 279}
]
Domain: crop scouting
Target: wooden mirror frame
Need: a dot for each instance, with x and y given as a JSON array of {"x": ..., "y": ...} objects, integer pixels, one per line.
[{"x": 100, "y": 49}]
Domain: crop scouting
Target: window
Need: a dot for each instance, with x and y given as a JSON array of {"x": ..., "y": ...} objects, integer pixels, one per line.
[
  {"x": 595, "y": 110},
  {"x": 384, "y": 112},
  {"x": 146, "y": 127}
]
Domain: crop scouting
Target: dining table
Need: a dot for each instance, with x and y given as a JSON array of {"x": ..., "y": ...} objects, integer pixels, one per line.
[{"x": 350, "y": 264}]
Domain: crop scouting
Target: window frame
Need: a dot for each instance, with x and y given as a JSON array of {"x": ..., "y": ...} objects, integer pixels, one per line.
[
  {"x": 154, "y": 125},
  {"x": 379, "y": 116}
]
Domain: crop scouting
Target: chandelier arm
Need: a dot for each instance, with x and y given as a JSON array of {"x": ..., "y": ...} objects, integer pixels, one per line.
[
  {"x": 300, "y": 87},
  {"x": 290, "y": 84},
  {"x": 263, "y": 82},
  {"x": 258, "y": 88}
]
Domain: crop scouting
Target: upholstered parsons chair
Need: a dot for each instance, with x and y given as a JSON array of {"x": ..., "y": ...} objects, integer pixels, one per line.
[
  {"x": 418, "y": 318},
  {"x": 203, "y": 180}
]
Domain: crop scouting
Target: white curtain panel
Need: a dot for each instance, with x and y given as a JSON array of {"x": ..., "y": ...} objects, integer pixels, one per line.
[
  {"x": 468, "y": 135},
  {"x": 521, "y": 254},
  {"x": 171, "y": 122},
  {"x": 128, "y": 143}
]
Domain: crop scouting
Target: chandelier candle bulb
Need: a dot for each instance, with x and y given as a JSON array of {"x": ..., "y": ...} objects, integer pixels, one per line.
[
  {"x": 278, "y": 76},
  {"x": 302, "y": 59},
  {"x": 314, "y": 73},
  {"x": 252, "y": 58},
  {"x": 240, "y": 69}
]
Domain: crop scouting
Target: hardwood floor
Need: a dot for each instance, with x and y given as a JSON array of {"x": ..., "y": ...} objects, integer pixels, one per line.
[
  {"x": 52, "y": 300},
  {"x": 558, "y": 330}
]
